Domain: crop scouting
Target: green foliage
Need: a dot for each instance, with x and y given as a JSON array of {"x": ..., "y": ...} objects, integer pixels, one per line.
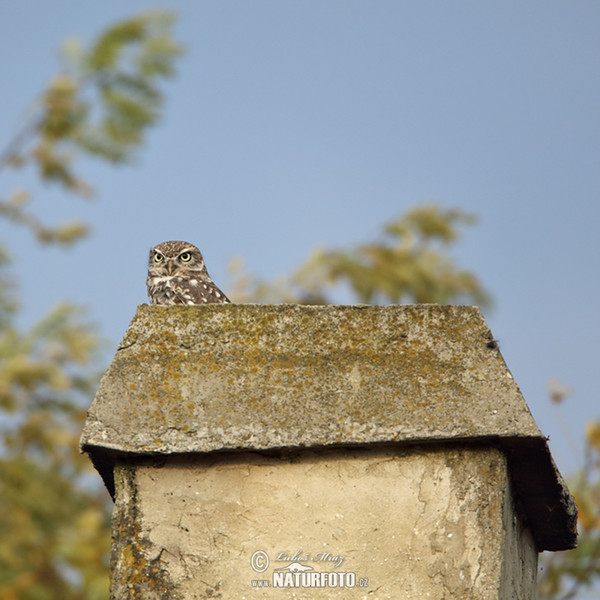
[
  {"x": 101, "y": 104},
  {"x": 409, "y": 263},
  {"x": 49, "y": 513},
  {"x": 14, "y": 209},
  {"x": 54, "y": 512}
]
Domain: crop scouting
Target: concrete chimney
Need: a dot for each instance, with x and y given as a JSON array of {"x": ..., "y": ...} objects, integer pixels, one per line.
[{"x": 348, "y": 452}]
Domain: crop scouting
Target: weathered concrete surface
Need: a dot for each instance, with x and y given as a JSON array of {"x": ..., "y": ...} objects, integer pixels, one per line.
[
  {"x": 403, "y": 522},
  {"x": 197, "y": 379},
  {"x": 218, "y": 378}
]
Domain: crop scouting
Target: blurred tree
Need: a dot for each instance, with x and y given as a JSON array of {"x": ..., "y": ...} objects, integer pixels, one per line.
[
  {"x": 54, "y": 516},
  {"x": 100, "y": 105},
  {"x": 409, "y": 263}
]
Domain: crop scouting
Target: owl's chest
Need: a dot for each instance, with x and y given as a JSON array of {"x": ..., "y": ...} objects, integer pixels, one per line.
[{"x": 164, "y": 289}]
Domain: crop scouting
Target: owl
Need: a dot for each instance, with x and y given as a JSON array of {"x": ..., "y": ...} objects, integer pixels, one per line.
[{"x": 177, "y": 275}]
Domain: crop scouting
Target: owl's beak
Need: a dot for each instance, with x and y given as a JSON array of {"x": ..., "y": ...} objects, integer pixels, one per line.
[{"x": 170, "y": 266}]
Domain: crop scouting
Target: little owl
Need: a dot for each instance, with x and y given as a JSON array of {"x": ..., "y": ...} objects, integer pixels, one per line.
[{"x": 177, "y": 275}]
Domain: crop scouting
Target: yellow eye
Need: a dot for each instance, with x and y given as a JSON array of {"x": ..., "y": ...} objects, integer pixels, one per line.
[
  {"x": 158, "y": 257},
  {"x": 185, "y": 257}
]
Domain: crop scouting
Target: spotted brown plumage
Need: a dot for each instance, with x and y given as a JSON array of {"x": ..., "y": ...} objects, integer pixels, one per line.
[{"x": 177, "y": 275}]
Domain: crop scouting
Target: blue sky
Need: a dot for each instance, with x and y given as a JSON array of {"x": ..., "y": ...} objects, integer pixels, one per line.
[{"x": 300, "y": 124}]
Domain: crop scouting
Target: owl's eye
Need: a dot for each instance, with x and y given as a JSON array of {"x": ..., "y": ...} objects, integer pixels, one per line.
[
  {"x": 185, "y": 257},
  {"x": 158, "y": 257}
]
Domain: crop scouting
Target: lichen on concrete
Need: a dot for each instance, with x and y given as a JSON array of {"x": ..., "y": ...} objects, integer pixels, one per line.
[
  {"x": 243, "y": 376},
  {"x": 135, "y": 574}
]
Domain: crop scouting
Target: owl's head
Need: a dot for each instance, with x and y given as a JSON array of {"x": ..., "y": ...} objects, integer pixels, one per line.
[{"x": 170, "y": 258}]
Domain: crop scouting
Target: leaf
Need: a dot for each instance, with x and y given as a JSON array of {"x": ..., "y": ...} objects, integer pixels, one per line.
[{"x": 592, "y": 434}]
